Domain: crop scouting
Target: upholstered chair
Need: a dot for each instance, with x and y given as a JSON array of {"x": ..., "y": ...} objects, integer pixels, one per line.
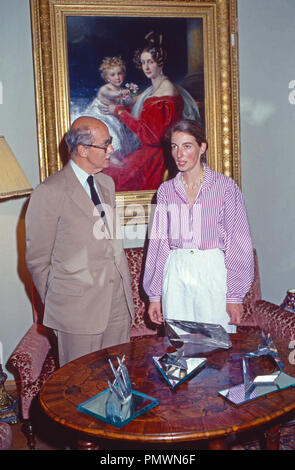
[
  {"x": 34, "y": 359},
  {"x": 142, "y": 325},
  {"x": 275, "y": 320}
]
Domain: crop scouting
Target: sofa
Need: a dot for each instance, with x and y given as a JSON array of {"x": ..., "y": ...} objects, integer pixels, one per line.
[{"x": 34, "y": 358}]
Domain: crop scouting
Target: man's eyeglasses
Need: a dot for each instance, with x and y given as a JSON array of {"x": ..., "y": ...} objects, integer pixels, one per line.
[{"x": 103, "y": 147}]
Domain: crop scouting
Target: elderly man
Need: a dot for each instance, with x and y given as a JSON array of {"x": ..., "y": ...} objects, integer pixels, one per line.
[{"x": 74, "y": 253}]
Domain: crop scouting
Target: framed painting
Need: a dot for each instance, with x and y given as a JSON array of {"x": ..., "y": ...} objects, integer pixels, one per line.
[{"x": 78, "y": 45}]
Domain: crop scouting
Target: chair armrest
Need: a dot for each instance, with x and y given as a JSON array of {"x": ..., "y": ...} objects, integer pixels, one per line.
[
  {"x": 30, "y": 354},
  {"x": 275, "y": 320}
]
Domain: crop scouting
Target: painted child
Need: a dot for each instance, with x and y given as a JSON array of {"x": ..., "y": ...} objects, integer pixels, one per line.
[{"x": 113, "y": 71}]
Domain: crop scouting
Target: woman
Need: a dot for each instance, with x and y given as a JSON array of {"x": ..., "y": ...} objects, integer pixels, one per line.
[
  {"x": 200, "y": 256},
  {"x": 156, "y": 110}
]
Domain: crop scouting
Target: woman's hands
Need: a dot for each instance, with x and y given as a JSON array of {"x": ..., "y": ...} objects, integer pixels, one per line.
[
  {"x": 155, "y": 313},
  {"x": 234, "y": 312}
]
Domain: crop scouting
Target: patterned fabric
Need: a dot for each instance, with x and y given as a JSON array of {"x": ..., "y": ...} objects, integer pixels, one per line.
[
  {"x": 250, "y": 299},
  {"x": 275, "y": 320},
  {"x": 30, "y": 388},
  {"x": 33, "y": 349},
  {"x": 5, "y": 436},
  {"x": 141, "y": 325}
]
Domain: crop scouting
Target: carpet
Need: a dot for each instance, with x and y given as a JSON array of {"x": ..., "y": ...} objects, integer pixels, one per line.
[{"x": 287, "y": 440}]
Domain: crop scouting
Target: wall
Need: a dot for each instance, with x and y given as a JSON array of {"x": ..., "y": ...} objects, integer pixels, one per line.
[
  {"x": 266, "y": 40},
  {"x": 266, "y": 37},
  {"x": 18, "y": 125}
]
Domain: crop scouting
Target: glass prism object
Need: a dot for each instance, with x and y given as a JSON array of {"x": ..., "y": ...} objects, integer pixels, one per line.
[
  {"x": 206, "y": 336},
  {"x": 267, "y": 348},
  {"x": 176, "y": 368},
  {"x": 261, "y": 385},
  {"x": 106, "y": 407},
  {"x": 119, "y": 404}
]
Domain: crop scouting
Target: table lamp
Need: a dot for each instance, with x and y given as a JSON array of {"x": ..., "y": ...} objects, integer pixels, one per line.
[{"x": 13, "y": 182}]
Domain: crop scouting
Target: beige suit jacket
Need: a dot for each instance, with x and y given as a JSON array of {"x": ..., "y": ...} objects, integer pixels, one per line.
[{"x": 71, "y": 260}]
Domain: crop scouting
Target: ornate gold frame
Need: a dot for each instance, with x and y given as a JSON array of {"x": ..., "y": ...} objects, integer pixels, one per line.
[{"x": 220, "y": 68}]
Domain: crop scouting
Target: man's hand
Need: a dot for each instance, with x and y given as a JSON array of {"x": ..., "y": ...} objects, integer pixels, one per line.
[
  {"x": 155, "y": 313},
  {"x": 234, "y": 312}
]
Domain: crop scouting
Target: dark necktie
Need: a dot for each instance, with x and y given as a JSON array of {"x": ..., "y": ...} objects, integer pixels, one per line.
[{"x": 94, "y": 196}]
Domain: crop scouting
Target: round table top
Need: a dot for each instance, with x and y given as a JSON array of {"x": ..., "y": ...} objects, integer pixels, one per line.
[{"x": 194, "y": 410}]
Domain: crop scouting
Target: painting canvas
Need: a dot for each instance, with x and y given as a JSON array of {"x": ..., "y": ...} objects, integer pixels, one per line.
[
  {"x": 71, "y": 38},
  {"x": 140, "y": 160}
]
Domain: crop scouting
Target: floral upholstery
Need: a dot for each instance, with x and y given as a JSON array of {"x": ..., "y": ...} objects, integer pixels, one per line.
[
  {"x": 250, "y": 299},
  {"x": 5, "y": 436},
  {"x": 275, "y": 320},
  {"x": 33, "y": 359},
  {"x": 141, "y": 325}
]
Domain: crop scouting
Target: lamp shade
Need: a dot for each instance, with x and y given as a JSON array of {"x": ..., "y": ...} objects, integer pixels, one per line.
[{"x": 13, "y": 181}]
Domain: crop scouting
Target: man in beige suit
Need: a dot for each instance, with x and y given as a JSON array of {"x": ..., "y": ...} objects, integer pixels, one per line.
[{"x": 74, "y": 251}]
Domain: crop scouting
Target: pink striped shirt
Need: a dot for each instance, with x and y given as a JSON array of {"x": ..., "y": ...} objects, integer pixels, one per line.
[{"x": 217, "y": 219}]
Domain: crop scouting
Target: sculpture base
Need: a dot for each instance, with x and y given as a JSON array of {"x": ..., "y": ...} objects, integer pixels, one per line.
[
  {"x": 107, "y": 408},
  {"x": 177, "y": 374},
  {"x": 259, "y": 387}
]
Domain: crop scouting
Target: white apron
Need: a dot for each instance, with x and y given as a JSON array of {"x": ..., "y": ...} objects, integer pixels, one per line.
[{"x": 194, "y": 287}]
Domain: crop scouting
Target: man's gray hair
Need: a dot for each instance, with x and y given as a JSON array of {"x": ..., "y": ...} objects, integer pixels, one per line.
[{"x": 78, "y": 136}]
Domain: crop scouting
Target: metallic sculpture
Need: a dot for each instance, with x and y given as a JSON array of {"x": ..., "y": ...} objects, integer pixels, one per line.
[
  {"x": 119, "y": 404},
  {"x": 207, "y": 335},
  {"x": 261, "y": 384}
]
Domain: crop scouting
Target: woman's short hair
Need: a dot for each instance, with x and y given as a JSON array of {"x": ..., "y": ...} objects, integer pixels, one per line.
[
  {"x": 153, "y": 45},
  {"x": 191, "y": 127},
  {"x": 110, "y": 62}
]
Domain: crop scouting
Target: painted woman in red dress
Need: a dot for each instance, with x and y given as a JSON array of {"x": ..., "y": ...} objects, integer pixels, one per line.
[{"x": 158, "y": 108}]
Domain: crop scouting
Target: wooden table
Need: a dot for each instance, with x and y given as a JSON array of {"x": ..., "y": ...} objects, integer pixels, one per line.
[{"x": 192, "y": 412}]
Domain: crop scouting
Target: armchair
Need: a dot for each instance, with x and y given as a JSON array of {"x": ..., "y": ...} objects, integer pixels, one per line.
[
  {"x": 34, "y": 359},
  {"x": 142, "y": 325}
]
